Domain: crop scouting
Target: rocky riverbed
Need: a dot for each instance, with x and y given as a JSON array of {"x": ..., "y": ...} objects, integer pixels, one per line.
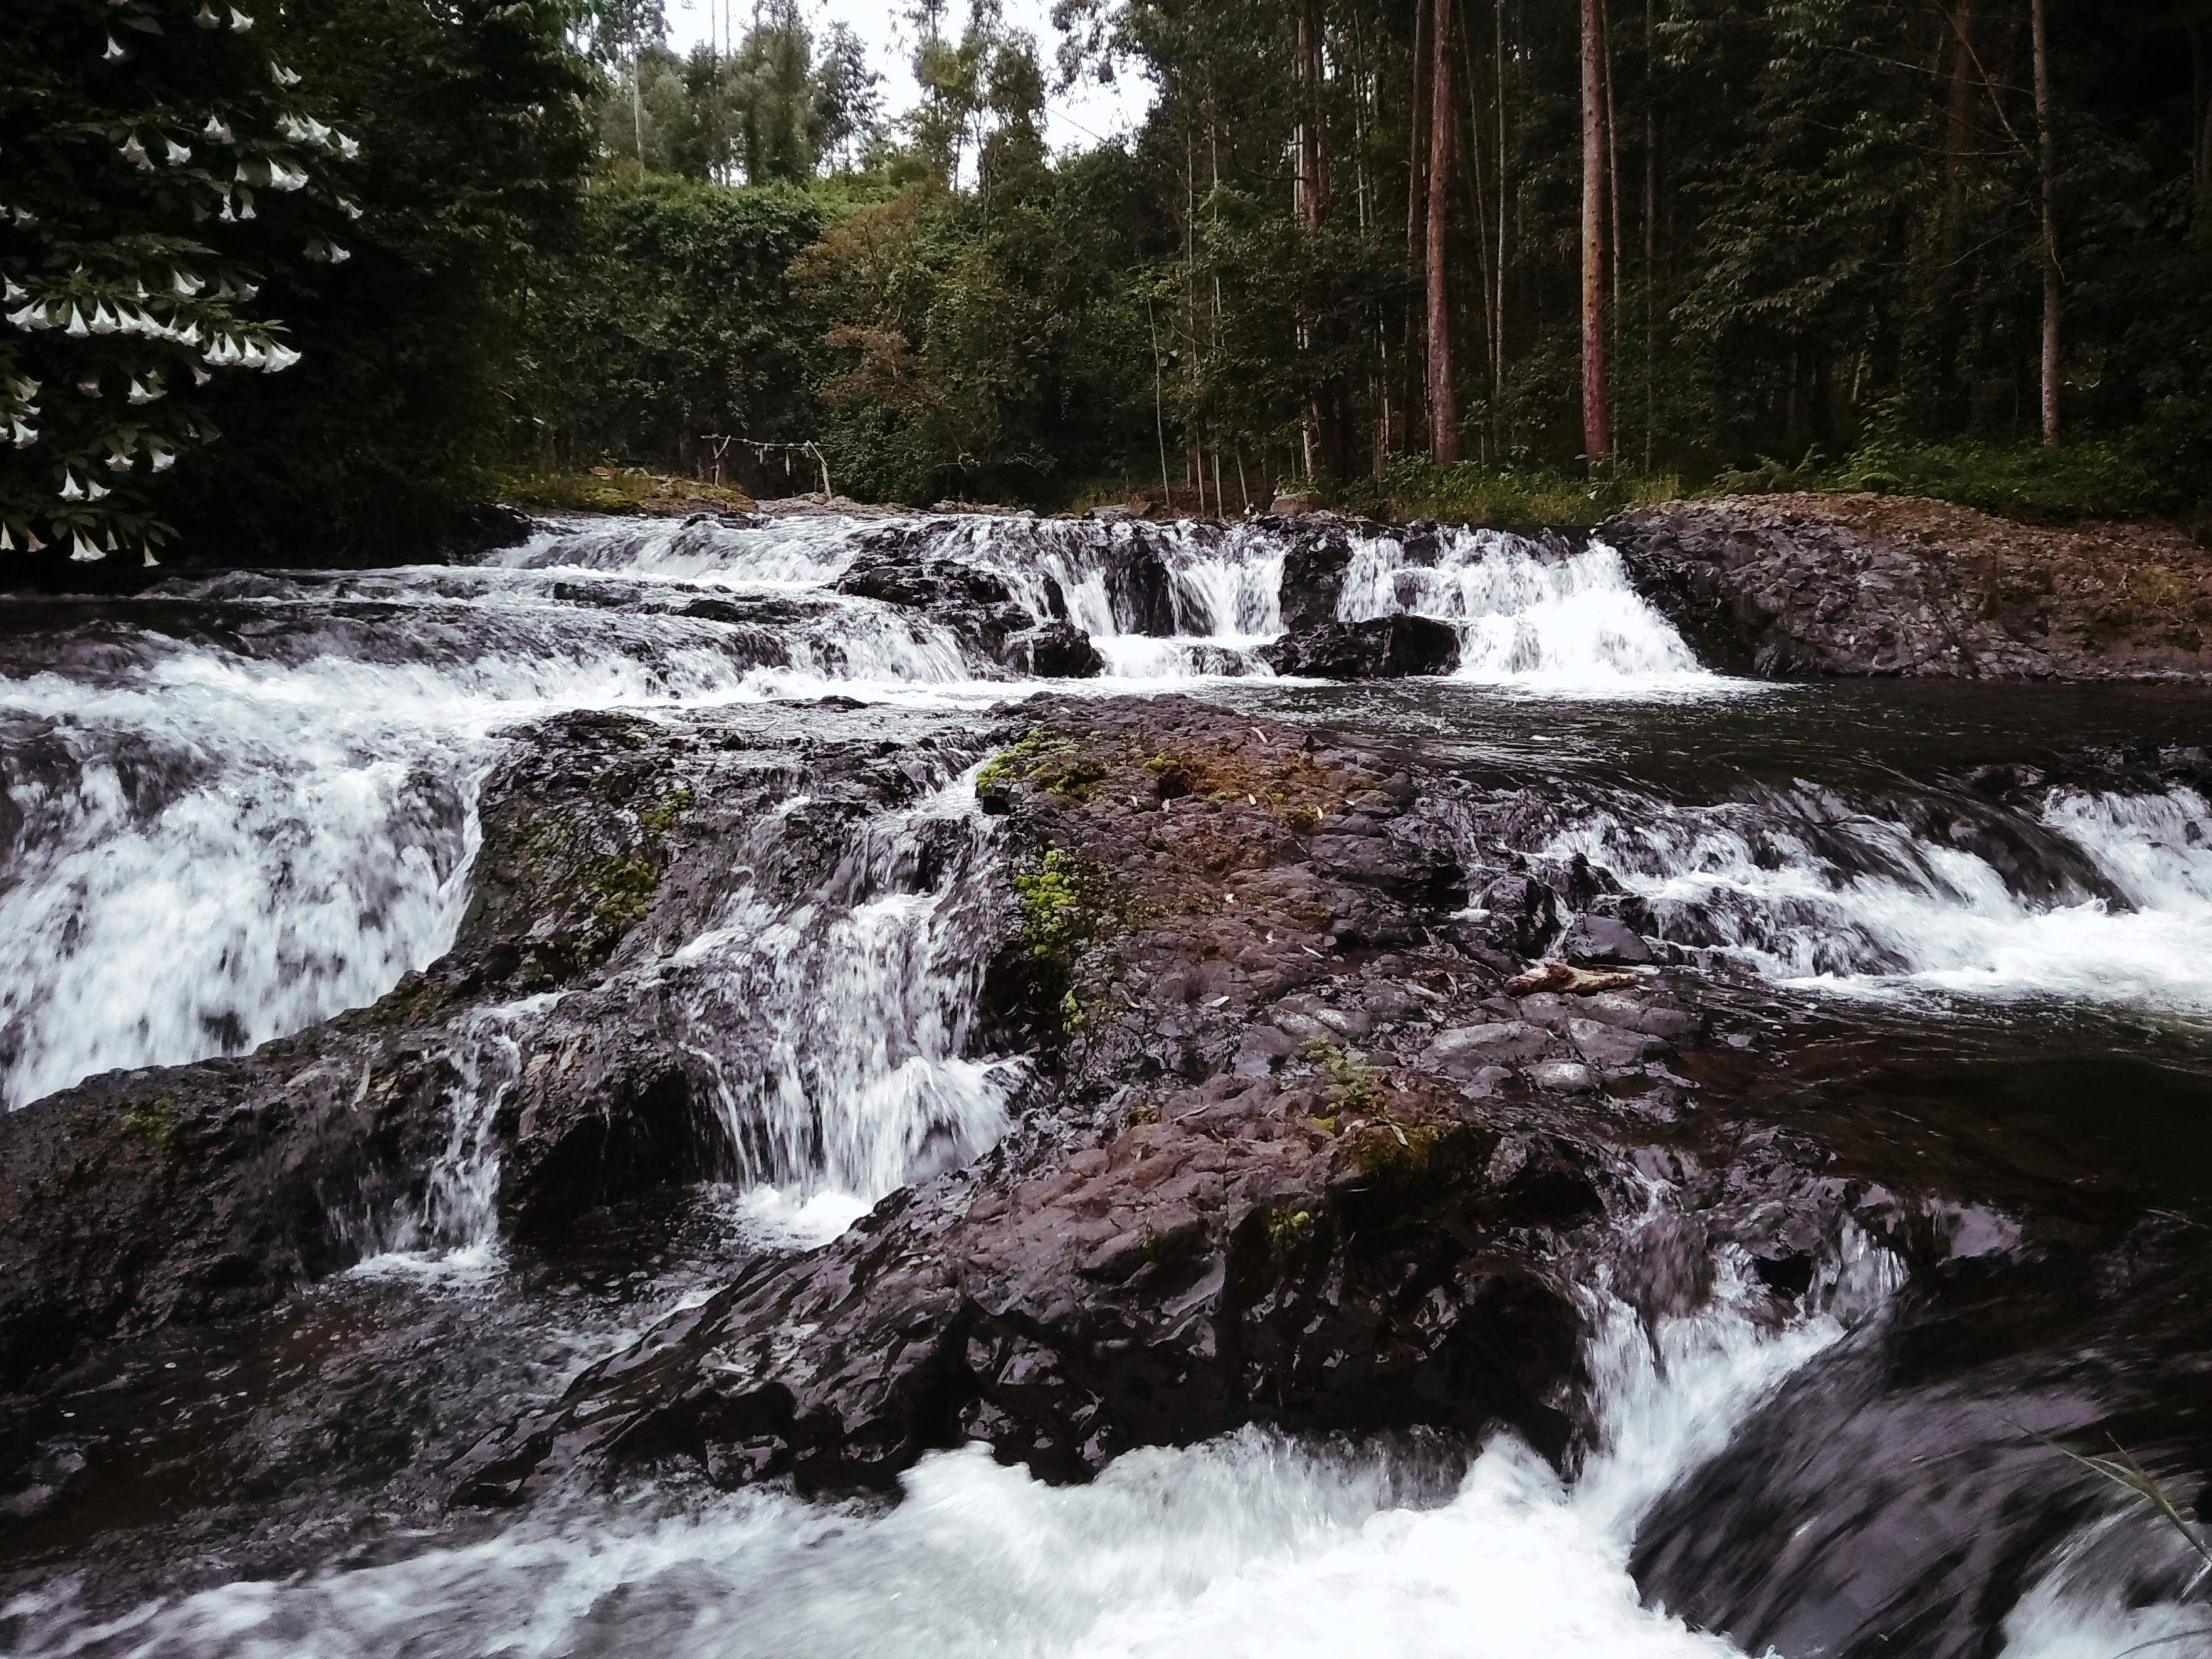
[{"x": 1542, "y": 1065}]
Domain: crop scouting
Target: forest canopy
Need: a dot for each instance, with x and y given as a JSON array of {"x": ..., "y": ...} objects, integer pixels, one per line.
[{"x": 1387, "y": 249}]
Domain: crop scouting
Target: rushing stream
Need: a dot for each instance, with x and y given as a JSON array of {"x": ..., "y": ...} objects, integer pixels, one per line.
[{"x": 236, "y": 805}]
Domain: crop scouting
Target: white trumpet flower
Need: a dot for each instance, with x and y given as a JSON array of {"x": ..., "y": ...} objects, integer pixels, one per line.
[
  {"x": 216, "y": 131},
  {"x": 142, "y": 394},
  {"x": 164, "y": 459},
  {"x": 84, "y": 552},
  {"x": 200, "y": 377},
  {"x": 186, "y": 283},
  {"x": 93, "y": 491},
  {"x": 282, "y": 76},
  {"x": 103, "y": 320},
  {"x": 11, "y": 291},
  {"x": 113, "y": 51},
  {"x": 351, "y": 209},
  {"x": 178, "y": 154},
  {"x": 29, "y": 319},
  {"x": 31, "y": 542},
  {"x": 118, "y": 459},
  {"x": 206, "y": 18},
  {"x": 239, "y": 22},
  {"x": 7, "y": 542},
  {"x": 89, "y": 385},
  {"x": 25, "y": 436},
  {"x": 280, "y": 357},
  {"x": 76, "y": 329},
  {"x": 245, "y": 204},
  {"x": 347, "y": 147},
  {"x": 282, "y": 177},
  {"x": 71, "y": 490},
  {"x": 135, "y": 152},
  {"x": 227, "y": 216},
  {"x": 151, "y": 562}
]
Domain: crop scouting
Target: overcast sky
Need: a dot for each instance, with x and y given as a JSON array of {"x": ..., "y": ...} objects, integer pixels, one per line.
[{"x": 1074, "y": 120}]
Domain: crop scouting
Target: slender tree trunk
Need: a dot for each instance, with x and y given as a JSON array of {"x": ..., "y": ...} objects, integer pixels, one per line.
[
  {"x": 1159, "y": 409},
  {"x": 1651, "y": 231},
  {"x": 1443, "y": 392},
  {"x": 637, "y": 106},
  {"x": 1612, "y": 156},
  {"x": 1478, "y": 189},
  {"x": 1597, "y": 415},
  {"x": 2046, "y": 160},
  {"x": 1958, "y": 133},
  {"x": 1497, "y": 292},
  {"x": 1313, "y": 129},
  {"x": 1417, "y": 210}
]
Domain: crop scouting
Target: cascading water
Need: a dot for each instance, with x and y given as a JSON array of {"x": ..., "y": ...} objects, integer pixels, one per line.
[
  {"x": 2109, "y": 898},
  {"x": 247, "y": 801},
  {"x": 1251, "y": 1545},
  {"x": 237, "y": 805},
  {"x": 1527, "y": 615}
]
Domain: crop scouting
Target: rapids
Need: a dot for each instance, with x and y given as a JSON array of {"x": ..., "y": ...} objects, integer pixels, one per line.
[{"x": 235, "y": 806}]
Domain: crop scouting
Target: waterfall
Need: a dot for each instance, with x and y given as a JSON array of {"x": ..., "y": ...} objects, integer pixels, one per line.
[
  {"x": 1253, "y": 1544},
  {"x": 1525, "y": 614}
]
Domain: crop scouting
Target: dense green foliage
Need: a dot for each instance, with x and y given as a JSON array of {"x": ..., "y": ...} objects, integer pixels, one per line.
[
  {"x": 574, "y": 247},
  {"x": 1826, "y": 250}
]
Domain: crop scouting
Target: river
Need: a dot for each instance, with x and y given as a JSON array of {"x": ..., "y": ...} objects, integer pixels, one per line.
[{"x": 1965, "y": 918}]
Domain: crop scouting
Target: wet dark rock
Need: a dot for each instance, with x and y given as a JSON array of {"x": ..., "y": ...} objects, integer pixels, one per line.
[
  {"x": 1057, "y": 651},
  {"x": 1259, "y": 1175},
  {"x": 1801, "y": 586},
  {"x": 1596, "y": 939},
  {"x": 1382, "y": 648},
  {"x": 183, "y": 1194}
]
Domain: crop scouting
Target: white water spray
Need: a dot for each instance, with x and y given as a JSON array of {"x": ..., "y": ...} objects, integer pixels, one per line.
[{"x": 1253, "y": 1545}]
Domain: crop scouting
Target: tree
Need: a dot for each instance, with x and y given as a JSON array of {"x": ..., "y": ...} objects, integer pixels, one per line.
[
  {"x": 1444, "y": 124},
  {"x": 1597, "y": 408},
  {"x": 2046, "y": 169},
  {"x": 140, "y": 140}
]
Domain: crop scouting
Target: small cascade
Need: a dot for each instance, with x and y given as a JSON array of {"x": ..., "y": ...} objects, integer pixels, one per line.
[
  {"x": 834, "y": 1031},
  {"x": 456, "y": 1221},
  {"x": 1253, "y": 1544},
  {"x": 1527, "y": 614},
  {"x": 2103, "y": 895}
]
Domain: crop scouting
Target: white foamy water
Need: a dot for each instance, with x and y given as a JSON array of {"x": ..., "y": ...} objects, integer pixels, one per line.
[
  {"x": 1526, "y": 615},
  {"x": 224, "y": 840},
  {"x": 1253, "y": 1544},
  {"x": 1919, "y": 914},
  {"x": 833, "y": 1033}
]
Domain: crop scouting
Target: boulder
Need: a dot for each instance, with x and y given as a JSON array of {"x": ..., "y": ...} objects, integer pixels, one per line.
[
  {"x": 1381, "y": 647},
  {"x": 1602, "y": 940}
]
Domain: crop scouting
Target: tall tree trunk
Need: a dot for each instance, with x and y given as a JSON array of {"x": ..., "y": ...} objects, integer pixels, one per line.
[
  {"x": 1470, "y": 72},
  {"x": 1417, "y": 210},
  {"x": 1443, "y": 392},
  {"x": 1313, "y": 129},
  {"x": 1597, "y": 414},
  {"x": 1958, "y": 133},
  {"x": 1497, "y": 292},
  {"x": 2046, "y": 161}
]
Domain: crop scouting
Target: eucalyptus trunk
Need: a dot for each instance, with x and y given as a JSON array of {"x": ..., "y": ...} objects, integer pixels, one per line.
[
  {"x": 1597, "y": 411},
  {"x": 1444, "y": 396}
]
